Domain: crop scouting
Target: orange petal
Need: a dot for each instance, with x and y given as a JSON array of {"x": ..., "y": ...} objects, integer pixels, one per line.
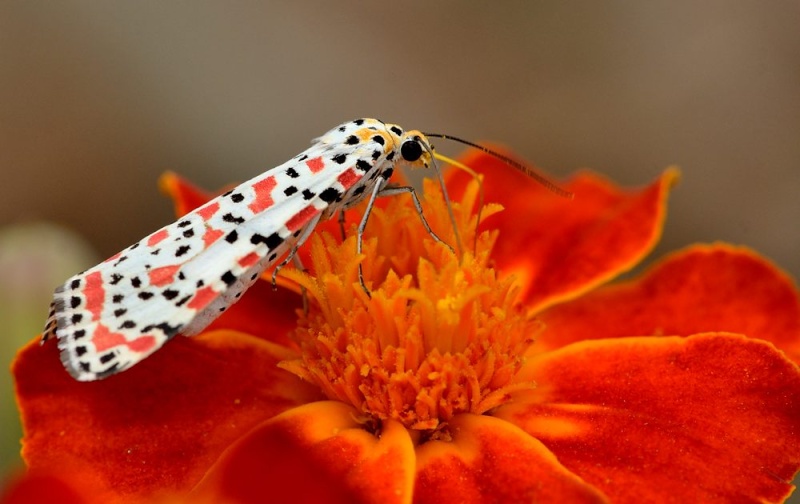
[
  {"x": 315, "y": 453},
  {"x": 490, "y": 460},
  {"x": 706, "y": 418},
  {"x": 560, "y": 248},
  {"x": 158, "y": 426},
  {"x": 702, "y": 288}
]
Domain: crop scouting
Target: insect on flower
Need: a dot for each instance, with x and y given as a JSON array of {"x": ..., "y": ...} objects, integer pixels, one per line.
[{"x": 180, "y": 278}]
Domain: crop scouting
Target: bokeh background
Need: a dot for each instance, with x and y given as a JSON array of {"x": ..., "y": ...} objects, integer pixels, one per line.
[{"x": 97, "y": 98}]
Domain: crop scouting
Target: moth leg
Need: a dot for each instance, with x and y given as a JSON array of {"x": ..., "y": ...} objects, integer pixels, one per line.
[
  {"x": 289, "y": 256},
  {"x": 299, "y": 265},
  {"x": 341, "y": 223},
  {"x": 292, "y": 256},
  {"x": 395, "y": 190},
  {"x": 362, "y": 226}
]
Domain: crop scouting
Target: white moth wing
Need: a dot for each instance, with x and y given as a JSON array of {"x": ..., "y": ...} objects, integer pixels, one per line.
[{"x": 178, "y": 279}]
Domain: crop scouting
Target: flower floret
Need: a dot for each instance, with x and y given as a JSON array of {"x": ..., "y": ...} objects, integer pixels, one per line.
[{"x": 423, "y": 345}]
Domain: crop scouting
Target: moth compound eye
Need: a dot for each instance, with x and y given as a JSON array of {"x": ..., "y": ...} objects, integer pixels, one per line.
[{"x": 411, "y": 150}]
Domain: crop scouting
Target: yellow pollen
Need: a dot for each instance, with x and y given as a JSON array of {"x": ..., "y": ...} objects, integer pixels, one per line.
[{"x": 440, "y": 335}]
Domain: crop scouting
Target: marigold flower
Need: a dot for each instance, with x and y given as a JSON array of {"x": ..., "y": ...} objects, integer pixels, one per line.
[{"x": 506, "y": 371}]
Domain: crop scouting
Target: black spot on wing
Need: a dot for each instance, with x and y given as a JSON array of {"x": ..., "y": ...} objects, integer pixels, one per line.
[
  {"x": 167, "y": 329},
  {"x": 273, "y": 241},
  {"x": 228, "y": 277},
  {"x": 108, "y": 371},
  {"x": 229, "y": 217},
  {"x": 330, "y": 195},
  {"x": 169, "y": 294}
]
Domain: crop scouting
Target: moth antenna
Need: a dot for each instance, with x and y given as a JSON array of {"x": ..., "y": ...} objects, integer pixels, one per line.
[{"x": 541, "y": 179}]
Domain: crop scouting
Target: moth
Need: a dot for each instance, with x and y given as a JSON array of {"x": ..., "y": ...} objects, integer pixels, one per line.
[{"x": 180, "y": 278}]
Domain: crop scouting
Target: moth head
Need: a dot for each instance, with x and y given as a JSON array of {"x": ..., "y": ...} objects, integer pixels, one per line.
[{"x": 415, "y": 150}]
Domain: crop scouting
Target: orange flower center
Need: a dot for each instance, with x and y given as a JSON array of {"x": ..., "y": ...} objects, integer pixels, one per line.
[{"x": 438, "y": 336}]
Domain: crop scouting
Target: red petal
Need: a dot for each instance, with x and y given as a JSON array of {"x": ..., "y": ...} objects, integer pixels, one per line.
[
  {"x": 158, "y": 426},
  {"x": 315, "y": 453},
  {"x": 40, "y": 488},
  {"x": 560, "y": 248},
  {"x": 263, "y": 312},
  {"x": 707, "y": 418},
  {"x": 702, "y": 288},
  {"x": 185, "y": 195},
  {"x": 490, "y": 460}
]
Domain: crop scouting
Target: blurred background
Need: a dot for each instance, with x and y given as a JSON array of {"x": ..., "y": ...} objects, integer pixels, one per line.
[{"x": 99, "y": 98}]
